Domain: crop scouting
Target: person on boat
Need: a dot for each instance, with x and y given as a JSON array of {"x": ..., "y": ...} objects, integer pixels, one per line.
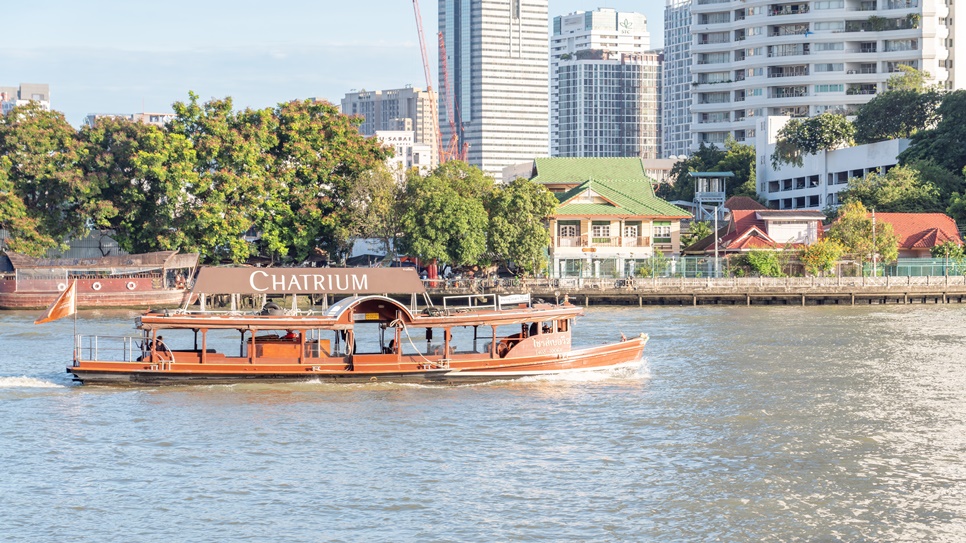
[
  {"x": 290, "y": 334},
  {"x": 159, "y": 345},
  {"x": 391, "y": 348}
]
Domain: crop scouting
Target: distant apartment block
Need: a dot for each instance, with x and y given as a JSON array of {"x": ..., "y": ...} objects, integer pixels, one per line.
[
  {"x": 676, "y": 80},
  {"x": 497, "y": 62},
  {"x": 756, "y": 58},
  {"x": 608, "y": 105},
  {"x": 817, "y": 183},
  {"x": 577, "y": 40},
  {"x": 407, "y": 153},
  {"x": 155, "y": 119},
  {"x": 11, "y": 97},
  {"x": 407, "y": 109}
]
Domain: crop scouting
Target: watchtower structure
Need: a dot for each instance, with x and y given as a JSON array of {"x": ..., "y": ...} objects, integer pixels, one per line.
[{"x": 709, "y": 194}]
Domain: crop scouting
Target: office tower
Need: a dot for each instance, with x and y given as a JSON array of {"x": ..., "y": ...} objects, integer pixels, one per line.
[
  {"x": 676, "y": 80},
  {"x": 754, "y": 58},
  {"x": 577, "y": 41},
  {"x": 496, "y": 90},
  {"x": 407, "y": 109}
]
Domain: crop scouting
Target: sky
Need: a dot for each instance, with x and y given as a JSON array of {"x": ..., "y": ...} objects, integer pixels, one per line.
[{"x": 130, "y": 56}]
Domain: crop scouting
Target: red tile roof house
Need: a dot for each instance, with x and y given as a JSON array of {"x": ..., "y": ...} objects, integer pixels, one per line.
[
  {"x": 753, "y": 226},
  {"x": 919, "y": 232}
]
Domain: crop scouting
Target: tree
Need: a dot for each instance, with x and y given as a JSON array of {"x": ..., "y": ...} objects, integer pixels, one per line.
[
  {"x": 377, "y": 204},
  {"x": 517, "y": 232},
  {"x": 22, "y": 229},
  {"x": 319, "y": 157},
  {"x": 821, "y": 256},
  {"x": 897, "y": 114},
  {"x": 854, "y": 230},
  {"x": 444, "y": 217},
  {"x": 735, "y": 157},
  {"x": 908, "y": 78},
  {"x": 139, "y": 176},
  {"x": 42, "y": 173},
  {"x": 900, "y": 190},
  {"x": 765, "y": 263},
  {"x": 800, "y": 137},
  {"x": 697, "y": 231},
  {"x": 945, "y": 144},
  {"x": 949, "y": 251}
]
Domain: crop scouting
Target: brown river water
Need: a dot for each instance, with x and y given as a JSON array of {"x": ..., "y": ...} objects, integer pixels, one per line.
[{"x": 817, "y": 424}]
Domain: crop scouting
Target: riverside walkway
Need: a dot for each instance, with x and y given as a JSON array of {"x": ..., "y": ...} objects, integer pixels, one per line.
[{"x": 800, "y": 291}]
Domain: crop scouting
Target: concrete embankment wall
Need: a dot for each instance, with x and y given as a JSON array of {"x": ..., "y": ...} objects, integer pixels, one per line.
[{"x": 726, "y": 291}]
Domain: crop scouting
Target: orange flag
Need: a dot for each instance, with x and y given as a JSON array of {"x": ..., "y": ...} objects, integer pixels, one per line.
[{"x": 64, "y": 306}]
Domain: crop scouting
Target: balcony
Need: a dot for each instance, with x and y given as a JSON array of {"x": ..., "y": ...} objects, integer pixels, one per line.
[
  {"x": 794, "y": 9},
  {"x": 603, "y": 241}
]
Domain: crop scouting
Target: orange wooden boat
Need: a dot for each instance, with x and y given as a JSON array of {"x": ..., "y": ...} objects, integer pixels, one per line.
[{"x": 363, "y": 337}]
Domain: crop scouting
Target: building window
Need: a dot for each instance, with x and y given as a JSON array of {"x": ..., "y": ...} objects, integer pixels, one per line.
[{"x": 662, "y": 231}]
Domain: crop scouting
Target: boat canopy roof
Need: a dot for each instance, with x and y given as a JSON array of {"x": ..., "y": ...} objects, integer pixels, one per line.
[
  {"x": 127, "y": 263},
  {"x": 344, "y": 281}
]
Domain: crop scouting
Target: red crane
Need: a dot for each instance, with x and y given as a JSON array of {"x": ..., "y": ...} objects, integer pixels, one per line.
[
  {"x": 453, "y": 151},
  {"x": 433, "y": 107}
]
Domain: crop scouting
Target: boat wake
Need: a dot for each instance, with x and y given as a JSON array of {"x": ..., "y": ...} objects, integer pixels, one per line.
[{"x": 26, "y": 382}]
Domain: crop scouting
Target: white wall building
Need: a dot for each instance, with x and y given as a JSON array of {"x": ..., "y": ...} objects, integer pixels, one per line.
[
  {"x": 676, "y": 80},
  {"x": 406, "y": 109},
  {"x": 602, "y": 30},
  {"x": 816, "y": 184},
  {"x": 11, "y": 97},
  {"x": 755, "y": 58},
  {"x": 497, "y": 56},
  {"x": 407, "y": 153}
]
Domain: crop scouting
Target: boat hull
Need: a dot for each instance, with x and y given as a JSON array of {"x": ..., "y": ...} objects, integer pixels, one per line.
[
  {"x": 606, "y": 357},
  {"x": 139, "y": 293}
]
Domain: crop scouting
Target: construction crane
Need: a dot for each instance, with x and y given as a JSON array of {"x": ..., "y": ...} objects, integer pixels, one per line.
[
  {"x": 433, "y": 107},
  {"x": 453, "y": 150}
]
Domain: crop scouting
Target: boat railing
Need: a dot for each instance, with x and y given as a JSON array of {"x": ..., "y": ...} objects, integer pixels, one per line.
[
  {"x": 470, "y": 301},
  {"x": 108, "y": 348},
  {"x": 484, "y": 301}
]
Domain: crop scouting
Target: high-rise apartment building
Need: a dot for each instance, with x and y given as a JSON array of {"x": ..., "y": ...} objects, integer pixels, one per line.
[
  {"x": 497, "y": 62},
  {"x": 408, "y": 109},
  {"x": 676, "y": 80},
  {"x": 607, "y": 32},
  {"x": 607, "y": 105},
  {"x": 755, "y": 58}
]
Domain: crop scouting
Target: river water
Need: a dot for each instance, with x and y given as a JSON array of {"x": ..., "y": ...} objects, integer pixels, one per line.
[{"x": 743, "y": 424}]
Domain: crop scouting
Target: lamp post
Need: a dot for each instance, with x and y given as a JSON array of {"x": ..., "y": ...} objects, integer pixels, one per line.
[{"x": 715, "y": 242}]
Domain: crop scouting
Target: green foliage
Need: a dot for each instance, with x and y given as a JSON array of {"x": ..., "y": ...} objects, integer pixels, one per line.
[
  {"x": 23, "y": 229},
  {"x": 697, "y": 231},
  {"x": 735, "y": 157},
  {"x": 517, "y": 213},
  {"x": 765, "y": 263},
  {"x": 854, "y": 230},
  {"x": 945, "y": 144},
  {"x": 901, "y": 190},
  {"x": 820, "y": 257},
  {"x": 948, "y": 249},
  {"x": 377, "y": 207},
  {"x": 800, "y": 137},
  {"x": 656, "y": 266},
  {"x": 909, "y": 79},
  {"x": 898, "y": 113},
  {"x": 444, "y": 217},
  {"x": 43, "y": 176}
]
